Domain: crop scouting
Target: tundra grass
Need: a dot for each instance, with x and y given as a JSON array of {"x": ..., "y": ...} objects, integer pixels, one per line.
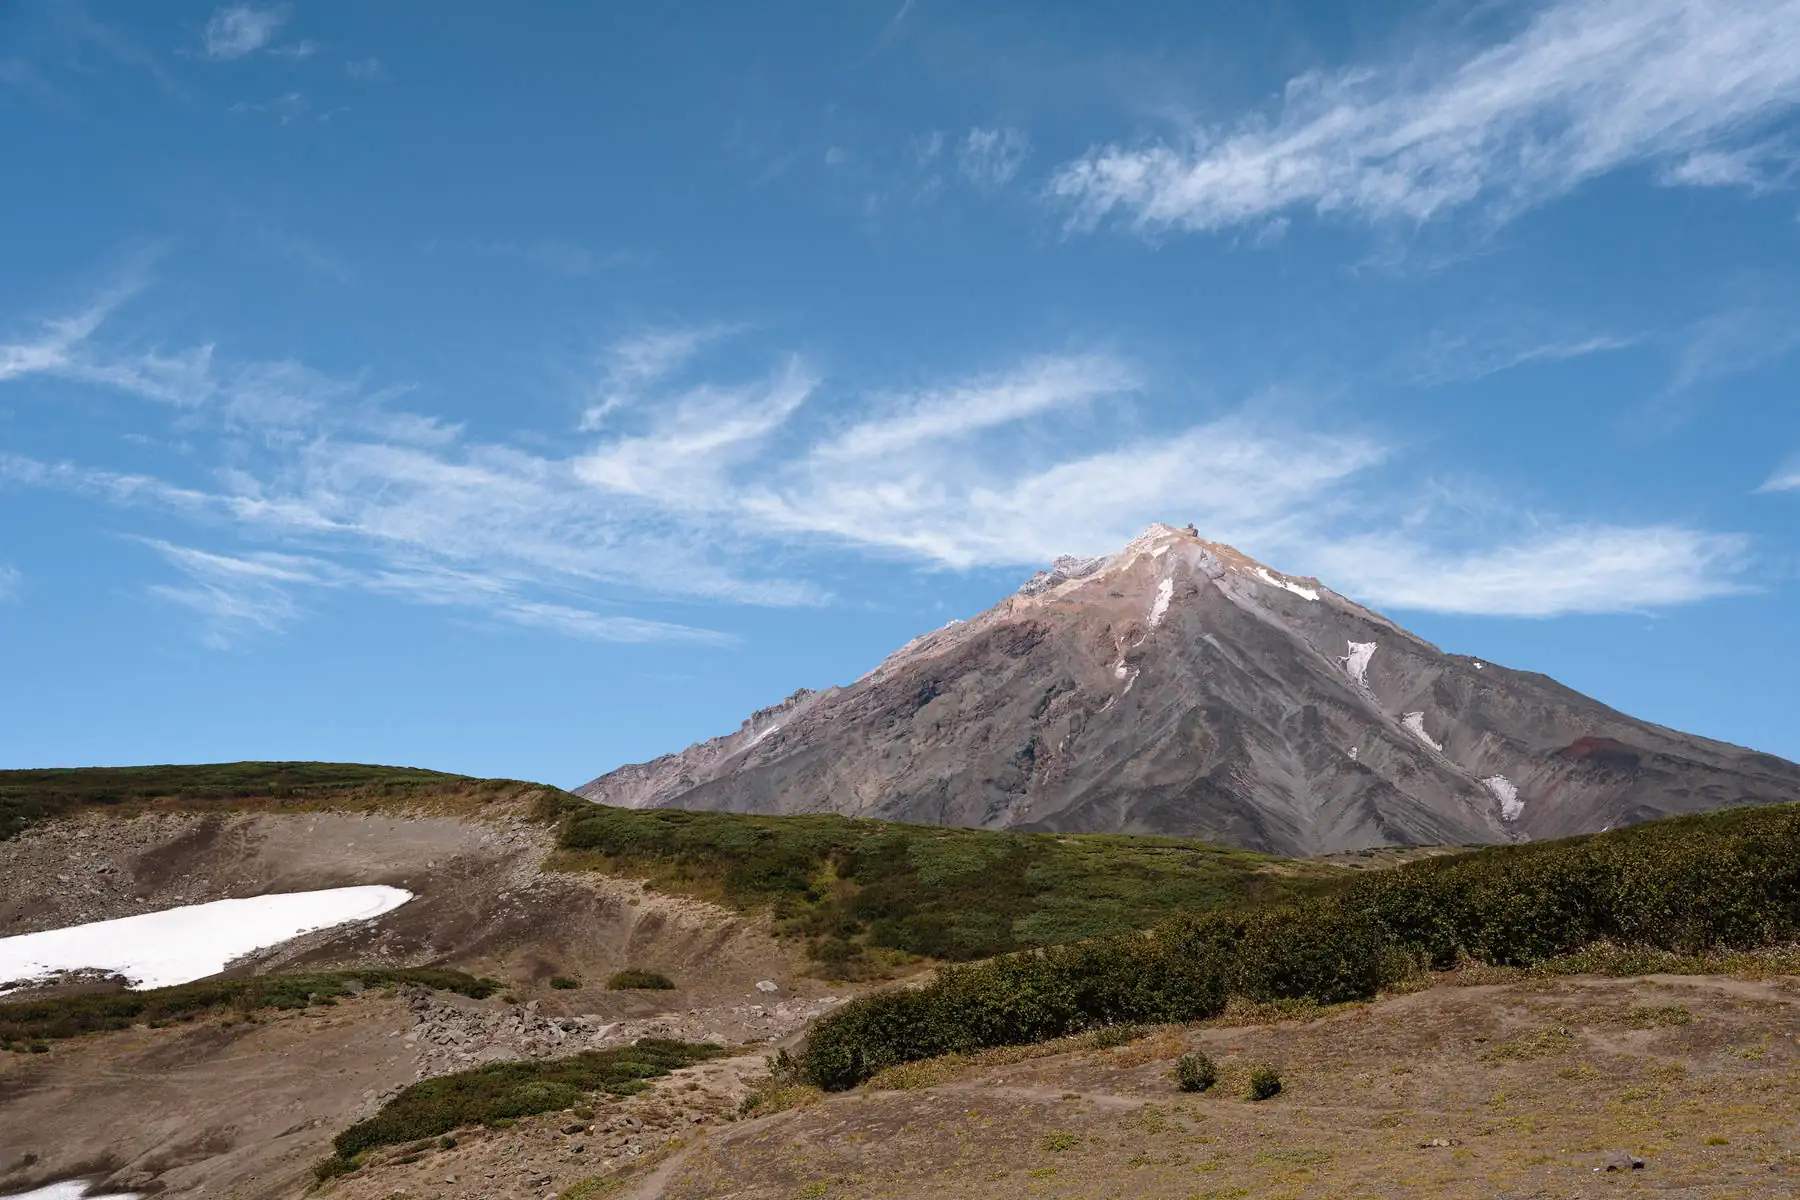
[
  {"x": 862, "y": 892},
  {"x": 25, "y": 1022},
  {"x": 27, "y": 797}
]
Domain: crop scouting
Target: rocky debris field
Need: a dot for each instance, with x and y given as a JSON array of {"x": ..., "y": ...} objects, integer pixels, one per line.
[{"x": 454, "y": 1033}]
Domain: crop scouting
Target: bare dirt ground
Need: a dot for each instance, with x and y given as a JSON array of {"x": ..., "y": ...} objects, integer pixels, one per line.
[
  {"x": 483, "y": 903},
  {"x": 1514, "y": 1091},
  {"x": 246, "y": 1108},
  {"x": 1501, "y": 1091}
]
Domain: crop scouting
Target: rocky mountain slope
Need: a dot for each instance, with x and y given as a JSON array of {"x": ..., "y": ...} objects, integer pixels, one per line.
[{"x": 1180, "y": 687}]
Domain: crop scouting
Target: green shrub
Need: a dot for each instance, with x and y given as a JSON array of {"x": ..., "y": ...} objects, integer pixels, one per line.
[
  {"x": 632, "y": 979},
  {"x": 851, "y": 886},
  {"x": 1701, "y": 884},
  {"x": 71, "y": 1016},
  {"x": 500, "y": 1093},
  {"x": 1265, "y": 1082},
  {"x": 564, "y": 983},
  {"x": 1195, "y": 1072}
]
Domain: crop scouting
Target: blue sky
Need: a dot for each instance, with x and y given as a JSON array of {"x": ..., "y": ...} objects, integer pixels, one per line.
[{"x": 529, "y": 392}]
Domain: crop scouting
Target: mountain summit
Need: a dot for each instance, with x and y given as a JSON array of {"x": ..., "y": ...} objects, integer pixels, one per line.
[{"x": 1180, "y": 687}]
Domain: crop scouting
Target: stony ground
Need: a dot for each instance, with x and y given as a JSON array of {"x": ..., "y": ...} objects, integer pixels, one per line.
[{"x": 1497, "y": 1091}]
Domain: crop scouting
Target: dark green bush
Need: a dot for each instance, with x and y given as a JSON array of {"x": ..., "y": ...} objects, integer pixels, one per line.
[
  {"x": 1195, "y": 1072},
  {"x": 500, "y": 1093},
  {"x": 1720, "y": 881},
  {"x": 632, "y": 979},
  {"x": 93, "y": 1012},
  {"x": 1265, "y": 1082},
  {"x": 564, "y": 983}
]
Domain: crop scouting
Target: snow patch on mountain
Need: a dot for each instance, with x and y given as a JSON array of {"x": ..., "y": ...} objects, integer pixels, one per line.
[
  {"x": 1305, "y": 593},
  {"x": 1508, "y": 796},
  {"x": 1356, "y": 663},
  {"x": 1415, "y": 725},
  {"x": 1165, "y": 591}
]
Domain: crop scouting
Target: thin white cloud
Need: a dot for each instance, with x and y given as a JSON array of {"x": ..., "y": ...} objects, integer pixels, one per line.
[
  {"x": 640, "y": 359},
  {"x": 711, "y": 485},
  {"x": 240, "y": 29},
  {"x": 683, "y": 460},
  {"x": 1585, "y": 88},
  {"x": 237, "y": 595},
  {"x": 366, "y": 70},
  {"x": 1592, "y": 569},
  {"x": 1456, "y": 357},
  {"x": 302, "y": 49},
  {"x": 10, "y": 583},
  {"x": 1786, "y": 478},
  {"x": 1039, "y": 386},
  {"x": 990, "y": 158},
  {"x": 591, "y": 626}
]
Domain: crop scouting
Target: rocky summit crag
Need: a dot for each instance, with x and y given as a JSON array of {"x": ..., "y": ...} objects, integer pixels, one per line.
[{"x": 1179, "y": 687}]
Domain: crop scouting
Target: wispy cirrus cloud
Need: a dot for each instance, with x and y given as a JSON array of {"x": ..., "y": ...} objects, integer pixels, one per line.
[
  {"x": 240, "y": 29},
  {"x": 1586, "y": 87},
  {"x": 366, "y": 70},
  {"x": 643, "y": 358},
  {"x": 11, "y": 582},
  {"x": 1449, "y": 356},
  {"x": 702, "y": 483},
  {"x": 990, "y": 158},
  {"x": 1785, "y": 478},
  {"x": 1573, "y": 569}
]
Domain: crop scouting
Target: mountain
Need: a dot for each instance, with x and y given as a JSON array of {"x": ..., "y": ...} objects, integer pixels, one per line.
[{"x": 1180, "y": 687}]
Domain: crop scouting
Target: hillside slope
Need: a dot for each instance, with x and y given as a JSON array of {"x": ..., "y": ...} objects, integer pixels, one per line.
[{"x": 1178, "y": 687}]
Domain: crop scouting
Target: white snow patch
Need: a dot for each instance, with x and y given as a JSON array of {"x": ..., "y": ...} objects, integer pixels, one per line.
[
  {"x": 68, "y": 1189},
  {"x": 1478, "y": 666},
  {"x": 1273, "y": 581},
  {"x": 1129, "y": 682},
  {"x": 1353, "y": 752},
  {"x": 1415, "y": 724},
  {"x": 1356, "y": 663},
  {"x": 765, "y": 733},
  {"x": 1165, "y": 591},
  {"x": 1508, "y": 796},
  {"x": 180, "y": 945},
  {"x": 1120, "y": 670}
]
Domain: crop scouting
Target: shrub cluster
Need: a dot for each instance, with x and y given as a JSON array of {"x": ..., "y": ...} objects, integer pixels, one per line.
[
  {"x": 26, "y": 1021},
  {"x": 633, "y": 979},
  {"x": 506, "y": 1091},
  {"x": 1728, "y": 880},
  {"x": 857, "y": 888}
]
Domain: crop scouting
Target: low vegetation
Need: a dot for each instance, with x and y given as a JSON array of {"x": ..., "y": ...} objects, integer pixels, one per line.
[
  {"x": 1265, "y": 1082},
  {"x": 1709, "y": 884},
  {"x": 632, "y": 979},
  {"x": 24, "y": 1022},
  {"x": 1195, "y": 1072},
  {"x": 507, "y": 1091},
  {"x": 867, "y": 893},
  {"x": 27, "y": 797}
]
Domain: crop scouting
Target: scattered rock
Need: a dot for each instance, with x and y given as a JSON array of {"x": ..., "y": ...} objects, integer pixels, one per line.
[
  {"x": 1619, "y": 1160},
  {"x": 1440, "y": 1143},
  {"x": 767, "y": 985}
]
